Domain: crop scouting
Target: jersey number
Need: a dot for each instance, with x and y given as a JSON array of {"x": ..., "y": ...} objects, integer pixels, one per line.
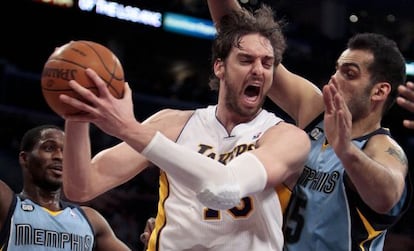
[
  {"x": 294, "y": 218},
  {"x": 241, "y": 211}
]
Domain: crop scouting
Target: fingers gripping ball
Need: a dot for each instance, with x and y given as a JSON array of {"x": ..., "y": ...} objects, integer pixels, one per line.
[{"x": 70, "y": 62}]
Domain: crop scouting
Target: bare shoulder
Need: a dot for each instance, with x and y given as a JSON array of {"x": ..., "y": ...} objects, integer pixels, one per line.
[
  {"x": 382, "y": 146},
  {"x": 98, "y": 222},
  {"x": 170, "y": 121},
  {"x": 285, "y": 129},
  {"x": 283, "y": 135},
  {"x": 93, "y": 215}
]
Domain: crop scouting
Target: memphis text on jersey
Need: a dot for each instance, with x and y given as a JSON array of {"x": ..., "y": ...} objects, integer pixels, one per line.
[{"x": 27, "y": 235}]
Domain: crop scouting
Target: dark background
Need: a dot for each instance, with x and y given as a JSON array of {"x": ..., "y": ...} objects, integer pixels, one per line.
[{"x": 171, "y": 70}]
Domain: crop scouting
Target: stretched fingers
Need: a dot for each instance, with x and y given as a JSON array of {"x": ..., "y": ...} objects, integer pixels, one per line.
[
  {"x": 100, "y": 84},
  {"x": 328, "y": 98},
  {"x": 82, "y": 103},
  {"x": 406, "y": 99},
  {"x": 87, "y": 100}
]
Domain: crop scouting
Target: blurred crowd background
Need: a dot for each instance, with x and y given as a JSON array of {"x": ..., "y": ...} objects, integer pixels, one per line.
[{"x": 168, "y": 69}]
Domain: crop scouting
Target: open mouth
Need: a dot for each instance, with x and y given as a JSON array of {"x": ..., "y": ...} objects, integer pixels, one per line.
[
  {"x": 56, "y": 168},
  {"x": 56, "y": 172},
  {"x": 252, "y": 92}
]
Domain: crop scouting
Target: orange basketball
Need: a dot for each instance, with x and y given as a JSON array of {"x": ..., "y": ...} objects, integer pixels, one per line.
[{"x": 69, "y": 62}]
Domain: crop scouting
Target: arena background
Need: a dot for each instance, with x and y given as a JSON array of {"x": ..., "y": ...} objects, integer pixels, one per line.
[{"x": 169, "y": 68}]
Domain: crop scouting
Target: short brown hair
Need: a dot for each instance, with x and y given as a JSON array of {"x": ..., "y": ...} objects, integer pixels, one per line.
[{"x": 242, "y": 22}]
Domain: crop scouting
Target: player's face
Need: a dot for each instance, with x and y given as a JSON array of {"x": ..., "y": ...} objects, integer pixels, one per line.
[
  {"x": 353, "y": 81},
  {"x": 247, "y": 75},
  {"x": 44, "y": 162}
]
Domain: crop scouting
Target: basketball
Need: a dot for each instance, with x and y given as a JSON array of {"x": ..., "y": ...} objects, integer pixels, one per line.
[{"x": 69, "y": 62}]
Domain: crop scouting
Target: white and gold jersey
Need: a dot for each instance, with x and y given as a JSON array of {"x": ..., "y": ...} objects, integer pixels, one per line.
[{"x": 183, "y": 223}]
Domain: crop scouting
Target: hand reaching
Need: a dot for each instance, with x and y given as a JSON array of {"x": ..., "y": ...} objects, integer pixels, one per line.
[
  {"x": 337, "y": 120},
  {"x": 406, "y": 101},
  {"x": 108, "y": 113}
]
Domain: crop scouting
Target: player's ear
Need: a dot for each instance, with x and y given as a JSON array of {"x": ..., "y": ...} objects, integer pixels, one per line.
[
  {"x": 219, "y": 68},
  {"x": 22, "y": 158},
  {"x": 381, "y": 91}
]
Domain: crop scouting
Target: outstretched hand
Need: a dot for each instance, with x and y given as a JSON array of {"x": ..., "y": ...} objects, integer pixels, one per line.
[
  {"x": 108, "y": 113},
  {"x": 337, "y": 120},
  {"x": 406, "y": 101}
]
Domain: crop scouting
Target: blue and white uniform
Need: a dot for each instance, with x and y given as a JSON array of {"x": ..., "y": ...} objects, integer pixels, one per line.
[
  {"x": 325, "y": 214},
  {"x": 183, "y": 223},
  {"x": 30, "y": 227}
]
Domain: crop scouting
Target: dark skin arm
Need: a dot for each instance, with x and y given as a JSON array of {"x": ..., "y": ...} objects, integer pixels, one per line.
[
  {"x": 6, "y": 196},
  {"x": 105, "y": 238}
]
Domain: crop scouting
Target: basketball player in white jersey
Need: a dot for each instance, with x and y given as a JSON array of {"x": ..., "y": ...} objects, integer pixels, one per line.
[
  {"x": 353, "y": 187},
  {"x": 221, "y": 163},
  {"x": 38, "y": 218}
]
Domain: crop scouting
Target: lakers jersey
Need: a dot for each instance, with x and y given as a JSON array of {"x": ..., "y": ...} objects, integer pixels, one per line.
[
  {"x": 30, "y": 227},
  {"x": 183, "y": 223},
  {"x": 325, "y": 214}
]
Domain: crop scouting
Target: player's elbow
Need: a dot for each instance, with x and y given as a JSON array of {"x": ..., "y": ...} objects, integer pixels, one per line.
[
  {"x": 384, "y": 205},
  {"x": 387, "y": 201}
]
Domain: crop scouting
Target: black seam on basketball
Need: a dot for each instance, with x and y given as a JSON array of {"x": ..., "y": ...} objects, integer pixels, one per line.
[
  {"x": 67, "y": 89},
  {"x": 98, "y": 55},
  {"x": 112, "y": 75},
  {"x": 106, "y": 64},
  {"x": 119, "y": 95},
  {"x": 67, "y": 61},
  {"x": 108, "y": 82}
]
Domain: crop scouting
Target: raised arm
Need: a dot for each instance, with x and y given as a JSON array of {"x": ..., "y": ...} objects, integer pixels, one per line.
[
  {"x": 378, "y": 171},
  {"x": 219, "y": 8},
  {"x": 85, "y": 178},
  {"x": 297, "y": 96}
]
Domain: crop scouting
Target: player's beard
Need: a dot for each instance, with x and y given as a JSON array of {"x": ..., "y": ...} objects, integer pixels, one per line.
[
  {"x": 51, "y": 186},
  {"x": 232, "y": 99},
  {"x": 359, "y": 105}
]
